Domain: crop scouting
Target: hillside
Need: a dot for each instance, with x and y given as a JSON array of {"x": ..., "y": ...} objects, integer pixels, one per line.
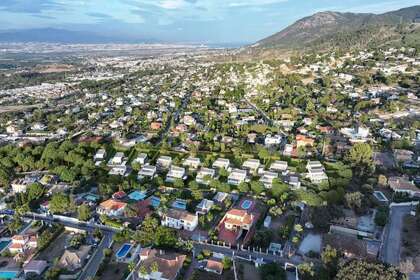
[{"x": 327, "y": 30}]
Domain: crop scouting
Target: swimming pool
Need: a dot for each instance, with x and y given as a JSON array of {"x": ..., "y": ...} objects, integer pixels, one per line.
[
  {"x": 91, "y": 197},
  {"x": 123, "y": 251},
  {"x": 246, "y": 204},
  {"x": 8, "y": 274},
  {"x": 4, "y": 244},
  {"x": 137, "y": 195}
]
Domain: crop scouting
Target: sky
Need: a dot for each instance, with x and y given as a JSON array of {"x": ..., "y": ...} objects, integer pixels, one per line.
[{"x": 193, "y": 21}]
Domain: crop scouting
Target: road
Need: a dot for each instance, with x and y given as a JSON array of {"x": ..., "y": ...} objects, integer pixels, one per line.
[
  {"x": 392, "y": 236},
  {"x": 267, "y": 119},
  {"x": 174, "y": 117},
  {"x": 198, "y": 247},
  {"x": 96, "y": 259}
]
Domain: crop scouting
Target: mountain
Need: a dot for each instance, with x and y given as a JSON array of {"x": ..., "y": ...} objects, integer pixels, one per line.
[
  {"x": 333, "y": 29},
  {"x": 53, "y": 35}
]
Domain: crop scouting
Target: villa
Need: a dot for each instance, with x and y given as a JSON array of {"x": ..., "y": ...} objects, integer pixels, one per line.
[
  {"x": 237, "y": 176},
  {"x": 251, "y": 164},
  {"x": 316, "y": 172},
  {"x": 167, "y": 265},
  {"x": 279, "y": 166},
  {"x": 147, "y": 171},
  {"x": 267, "y": 179},
  {"x": 112, "y": 208},
  {"x": 221, "y": 163},
  {"x": 191, "y": 162},
  {"x": 204, "y": 175},
  {"x": 176, "y": 173},
  {"x": 179, "y": 219},
  {"x": 164, "y": 162}
]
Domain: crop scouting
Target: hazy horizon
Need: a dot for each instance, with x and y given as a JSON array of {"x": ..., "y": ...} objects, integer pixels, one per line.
[{"x": 178, "y": 21}]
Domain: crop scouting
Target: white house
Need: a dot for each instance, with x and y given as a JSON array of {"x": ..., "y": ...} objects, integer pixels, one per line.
[
  {"x": 237, "y": 176},
  {"x": 279, "y": 166},
  {"x": 316, "y": 172},
  {"x": 221, "y": 163},
  {"x": 141, "y": 159},
  {"x": 203, "y": 174},
  {"x": 192, "y": 162},
  {"x": 147, "y": 171},
  {"x": 164, "y": 162},
  {"x": 100, "y": 155},
  {"x": 272, "y": 140},
  {"x": 204, "y": 206},
  {"x": 251, "y": 164},
  {"x": 112, "y": 208},
  {"x": 175, "y": 173},
  {"x": 118, "y": 159},
  {"x": 179, "y": 219},
  {"x": 267, "y": 178}
]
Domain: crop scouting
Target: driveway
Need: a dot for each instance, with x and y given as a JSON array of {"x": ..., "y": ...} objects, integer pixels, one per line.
[{"x": 392, "y": 238}]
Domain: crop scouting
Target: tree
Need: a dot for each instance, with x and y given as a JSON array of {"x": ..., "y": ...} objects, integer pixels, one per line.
[
  {"x": 131, "y": 266},
  {"x": 35, "y": 191},
  {"x": 179, "y": 183},
  {"x": 360, "y": 269},
  {"x": 381, "y": 216},
  {"x": 227, "y": 263},
  {"x": 306, "y": 271},
  {"x": 143, "y": 270},
  {"x": 354, "y": 200},
  {"x": 60, "y": 203},
  {"x": 264, "y": 154},
  {"x": 154, "y": 267},
  {"x": 257, "y": 187},
  {"x": 272, "y": 271},
  {"x": 361, "y": 158},
  {"x": 83, "y": 212},
  {"x": 278, "y": 188},
  {"x": 15, "y": 224},
  {"x": 243, "y": 187},
  {"x": 330, "y": 258}
]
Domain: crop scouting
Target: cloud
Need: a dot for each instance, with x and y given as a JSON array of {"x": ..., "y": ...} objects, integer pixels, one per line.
[
  {"x": 99, "y": 15},
  {"x": 29, "y": 7}
]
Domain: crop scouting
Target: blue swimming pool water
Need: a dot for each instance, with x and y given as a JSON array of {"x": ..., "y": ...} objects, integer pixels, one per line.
[
  {"x": 123, "y": 251},
  {"x": 4, "y": 244},
  {"x": 246, "y": 204},
  {"x": 179, "y": 204},
  {"x": 137, "y": 195},
  {"x": 8, "y": 274},
  {"x": 91, "y": 197}
]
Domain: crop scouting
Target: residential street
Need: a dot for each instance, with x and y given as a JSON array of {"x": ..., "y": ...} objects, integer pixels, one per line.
[
  {"x": 392, "y": 239},
  {"x": 96, "y": 259}
]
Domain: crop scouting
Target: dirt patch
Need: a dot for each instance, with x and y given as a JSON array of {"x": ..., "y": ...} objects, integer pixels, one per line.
[
  {"x": 247, "y": 271},
  {"x": 56, "y": 248},
  {"x": 411, "y": 241},
  {"x": 114, "y": 271},
  {"x": 204, "y": 275}
]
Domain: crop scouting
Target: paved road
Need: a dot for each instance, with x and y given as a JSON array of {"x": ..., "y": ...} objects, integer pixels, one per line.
[
  {"x": 392, "y": 238},
  {"x": 414, "y": 276},
  {"x": 95, "y": 261},
  {"x": 268, "y": 120},
  {"x": 245, "y": 254}
]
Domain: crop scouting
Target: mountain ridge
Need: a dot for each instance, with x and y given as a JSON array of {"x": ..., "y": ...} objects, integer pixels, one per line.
[{"x": 320, "y": 28}]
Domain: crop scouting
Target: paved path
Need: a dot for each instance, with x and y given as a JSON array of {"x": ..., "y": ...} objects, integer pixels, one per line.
[
  {"x": 95, "y": 261},
  {"x": 392, "y": 237}
]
